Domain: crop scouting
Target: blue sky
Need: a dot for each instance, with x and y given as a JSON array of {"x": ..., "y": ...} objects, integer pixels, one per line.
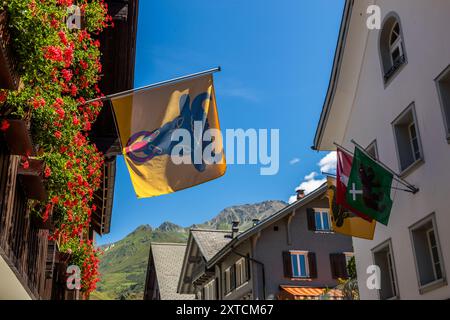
[{"x": 276, "y": 58}]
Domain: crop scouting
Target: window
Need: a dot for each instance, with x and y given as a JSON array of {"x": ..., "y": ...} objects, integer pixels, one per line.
[
  {"x": 443, "y": 85},
  {"x": 209, "y": 291},
  {"x": 384, "y": 259},
  {"x": 372, "y": 150},
  {"x": 392, "y": 48},
  {"x": 427, "y": 253},
  {"x": 230, "y": 279},
  {"x": 319, "y": 220},
  {"x": 322, "y": 218},
  {"x": 407, "y": 138},
  {"x": 299, "y": 265},
  {"x": 338, "y": 263},
  {"x": 241, "y": 272}
]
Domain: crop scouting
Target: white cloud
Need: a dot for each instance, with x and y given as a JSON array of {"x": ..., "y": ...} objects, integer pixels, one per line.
[
  {"x": 313, "y": 180},
  {"x": 294, "y": 161},
  {"x": 292, "y": 199},
  {"x": 311, "y": 176},
  {"x": 311, "y": 185},
  {"x": 328, "y": 163}
]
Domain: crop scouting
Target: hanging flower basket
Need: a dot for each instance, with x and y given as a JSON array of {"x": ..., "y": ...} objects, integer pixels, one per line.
[
  {"x": 31, "y": 178},
  {"x": 9, "y": 78},
  {"x": 40, "y": 224},
  {"x": 17, "y": 136}
]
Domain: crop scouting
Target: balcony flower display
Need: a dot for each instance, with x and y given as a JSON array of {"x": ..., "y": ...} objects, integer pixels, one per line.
[{"x": 60, "y": 69}]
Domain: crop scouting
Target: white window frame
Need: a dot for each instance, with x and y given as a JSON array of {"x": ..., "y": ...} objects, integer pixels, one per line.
[
  {"x": 241, "y": 272},
  {"x": 445, "y": 104},
  {"x": 227, "y": 274},
  {"x": 430, "y": 249},
  {"x": 321, "y": 211},
  {"x": 437, "y": 283},
  {"x": 348, "y": 257},
  {"x": 210, "y": 290},
  {"x": 373, "y": 148},
  {"x": 411, "y": 109},
  {"x": 391, "y": 266},
  {"x": 297, "y": 253},
  {"x": 398, "y": 44},
  {"x": 411, "y": 141}
]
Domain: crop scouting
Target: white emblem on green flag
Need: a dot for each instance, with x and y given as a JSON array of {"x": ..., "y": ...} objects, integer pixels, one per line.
[{"x": 369, "y": 188}]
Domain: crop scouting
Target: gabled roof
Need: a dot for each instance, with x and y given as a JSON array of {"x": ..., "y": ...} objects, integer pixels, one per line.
[
  {"x": 319, "y": 192},
  {"x": 210, "y": 241},
  {"x": 168, "y": 260},
  {"x": 350, "y": 51}
]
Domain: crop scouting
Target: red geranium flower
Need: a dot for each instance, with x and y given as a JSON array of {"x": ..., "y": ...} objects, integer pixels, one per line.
[
  {"x": 5, "y": 125},
  {"x": 47, "y": 172},
  {"x": 3, "y": 96}
]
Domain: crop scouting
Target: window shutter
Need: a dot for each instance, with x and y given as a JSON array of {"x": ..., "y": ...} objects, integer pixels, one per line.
[
  {"x": 249, "y": 269},
  {"x": 216, "y": 287},
  {"x": 287, "y": 264},
  {"x": 233, "y": 277},
  {"x": 312, "y": 265},
  {"x": 311, "y": 219},
  {"x": 338, "y": 266}
]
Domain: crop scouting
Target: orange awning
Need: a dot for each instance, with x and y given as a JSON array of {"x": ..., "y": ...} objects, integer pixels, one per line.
[{"x": 307, "y": 293}]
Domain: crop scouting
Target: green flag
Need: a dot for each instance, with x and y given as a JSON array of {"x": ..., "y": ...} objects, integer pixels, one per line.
[{"x": 369, "y": 188}]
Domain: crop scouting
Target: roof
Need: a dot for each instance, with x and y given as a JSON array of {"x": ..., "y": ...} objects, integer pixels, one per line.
[
  {"x": 301, "y": 293},
  {"x": 210, "y": 242},
  {"x": 334, "y": 73},
  {"x": 168, "y": 260},
  {"x": 350, "y": 52},
  {"x": 267, "y": 222}
]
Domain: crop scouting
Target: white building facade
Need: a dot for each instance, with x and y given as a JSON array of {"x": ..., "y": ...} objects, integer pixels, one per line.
[{"x": 390, "y": 92}]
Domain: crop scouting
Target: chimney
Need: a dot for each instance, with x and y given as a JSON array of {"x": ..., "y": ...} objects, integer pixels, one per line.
[
  {"x": 255, "y": 221},
  {"x": 300, "y": 194},
  {"x": 234, "y": 228}
]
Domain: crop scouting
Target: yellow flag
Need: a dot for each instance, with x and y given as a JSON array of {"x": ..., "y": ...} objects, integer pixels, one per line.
[
  {"x": 171, "y": 136},
  {"x": 346, "y": 222}
]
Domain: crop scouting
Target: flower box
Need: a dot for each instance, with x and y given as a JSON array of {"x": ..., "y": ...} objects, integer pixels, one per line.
[
  {"x": 32, "y": 181},
  {"x": 9, "y": 78},
  {"x": 49, "y": 224},
  {"x": 18, "y": 138}
]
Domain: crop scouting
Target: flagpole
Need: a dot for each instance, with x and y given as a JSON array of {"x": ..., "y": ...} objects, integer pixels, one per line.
[
  {"x": 335, "y": 176},
  {"x": 155, "y": 85},
  {"x": 412, "y": 189}
]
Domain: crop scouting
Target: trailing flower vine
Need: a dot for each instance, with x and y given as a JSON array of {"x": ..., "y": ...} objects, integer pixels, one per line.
[{"x": 60, "y": 70}]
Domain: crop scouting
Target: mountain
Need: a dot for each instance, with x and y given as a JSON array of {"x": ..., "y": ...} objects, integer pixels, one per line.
[{"x": 123, "y": 265}]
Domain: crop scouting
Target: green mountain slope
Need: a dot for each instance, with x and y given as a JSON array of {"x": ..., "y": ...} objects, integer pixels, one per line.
[{"x": 123, "y": 265}]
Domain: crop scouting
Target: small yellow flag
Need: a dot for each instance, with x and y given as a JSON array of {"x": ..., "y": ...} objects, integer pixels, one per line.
[
  {"x": 165, "y": 134},
  {"x": 346, "y": 222}
]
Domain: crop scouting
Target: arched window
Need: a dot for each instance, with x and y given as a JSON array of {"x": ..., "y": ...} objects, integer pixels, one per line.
[{"x": 392, "y": 47}]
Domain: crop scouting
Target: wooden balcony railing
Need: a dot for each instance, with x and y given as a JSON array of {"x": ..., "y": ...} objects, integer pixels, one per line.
[
  {"x": 24, "y": 244},
  {"x": 21, "y": 244}
]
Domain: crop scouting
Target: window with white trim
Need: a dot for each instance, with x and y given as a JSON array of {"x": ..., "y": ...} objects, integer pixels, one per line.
[
  {"x": 322, "y": 220},
  {"x": 392, "y": 47},
  {"x": 383, "y": 258},
  {"x": 210, "y": 290},
  {"x": 407, "y": 138},
  {"x": 241, "y": 272},
  {"x": 427, "y": 252},
  {"x": 443, "y": 86},
  {"x": 300, "y": 265},
  {"x": 395, "y": 44}
]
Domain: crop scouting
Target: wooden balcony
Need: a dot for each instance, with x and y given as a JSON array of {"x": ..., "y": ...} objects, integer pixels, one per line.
[
  {"x": 24, "y": 244},
  {"x": 9, "y": 78}
]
